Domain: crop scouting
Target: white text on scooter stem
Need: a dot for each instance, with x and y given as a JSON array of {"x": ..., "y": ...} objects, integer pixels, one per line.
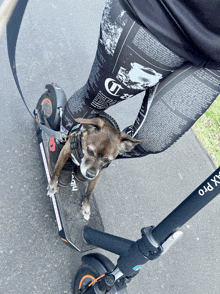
[{"x": 210, "y": 185}]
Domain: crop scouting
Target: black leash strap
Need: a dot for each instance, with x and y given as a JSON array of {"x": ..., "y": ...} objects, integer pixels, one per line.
[{"x": 12, "y": 31}]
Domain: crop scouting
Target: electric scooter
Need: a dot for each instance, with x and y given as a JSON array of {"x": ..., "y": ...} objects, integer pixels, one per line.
[{"x": 97, "y": 273}]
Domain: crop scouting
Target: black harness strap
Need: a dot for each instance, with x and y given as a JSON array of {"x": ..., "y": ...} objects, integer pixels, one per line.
[
  {"x": 13, "y": 28},
  {"x": 75, "y": 144}
]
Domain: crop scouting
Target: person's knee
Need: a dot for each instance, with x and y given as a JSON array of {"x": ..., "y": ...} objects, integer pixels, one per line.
[{"x": 145, "y": 149}]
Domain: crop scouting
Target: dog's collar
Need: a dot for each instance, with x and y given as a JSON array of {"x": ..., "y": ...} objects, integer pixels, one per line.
[{"x": 75, "y": 144}]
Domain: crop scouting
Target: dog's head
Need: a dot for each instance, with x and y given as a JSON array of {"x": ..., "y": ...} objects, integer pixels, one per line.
[{"x": 101, "y": 143}]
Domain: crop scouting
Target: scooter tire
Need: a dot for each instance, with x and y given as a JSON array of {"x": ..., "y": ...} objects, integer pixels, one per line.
[
  {"x": 47, "y": 105},
  {"x": 85, "y": 275}
]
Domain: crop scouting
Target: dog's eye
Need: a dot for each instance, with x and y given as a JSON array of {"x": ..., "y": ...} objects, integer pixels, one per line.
[{"x": 90, "y": 151}]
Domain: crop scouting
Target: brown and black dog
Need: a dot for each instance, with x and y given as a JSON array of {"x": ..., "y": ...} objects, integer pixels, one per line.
[{"x": 101, "y": 143}]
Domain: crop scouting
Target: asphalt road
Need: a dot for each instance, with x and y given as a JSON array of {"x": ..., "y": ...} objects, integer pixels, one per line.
[{"x": 57, "y": 42}]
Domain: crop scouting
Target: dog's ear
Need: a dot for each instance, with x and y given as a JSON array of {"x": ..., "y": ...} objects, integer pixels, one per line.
[
  {"x": 91, "y": 124},
  {"x": 128, "y": 143}
]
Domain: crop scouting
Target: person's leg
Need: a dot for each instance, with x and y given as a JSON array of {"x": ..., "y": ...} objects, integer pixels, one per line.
[
  {"x": 128, "y": 61},
  {"x": 178, "y": 102}
]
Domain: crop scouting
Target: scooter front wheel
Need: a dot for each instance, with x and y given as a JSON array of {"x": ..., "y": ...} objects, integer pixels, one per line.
[{"x": 84, "y": 278}]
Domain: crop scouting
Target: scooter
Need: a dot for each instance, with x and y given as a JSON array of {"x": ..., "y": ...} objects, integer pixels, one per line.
[{"x": 97, "y": 273}]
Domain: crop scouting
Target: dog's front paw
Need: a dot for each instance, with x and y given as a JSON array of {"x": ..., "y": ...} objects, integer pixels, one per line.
[
  {"x": 86, "y": 210},
  {"x": 51, "y": 190}
]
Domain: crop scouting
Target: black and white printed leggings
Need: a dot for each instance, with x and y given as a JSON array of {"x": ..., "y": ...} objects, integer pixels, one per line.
[{"x": 129, "y": 60}]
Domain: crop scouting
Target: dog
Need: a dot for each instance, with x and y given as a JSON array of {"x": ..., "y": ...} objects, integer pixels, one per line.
[{"x": 100, "y": 143}]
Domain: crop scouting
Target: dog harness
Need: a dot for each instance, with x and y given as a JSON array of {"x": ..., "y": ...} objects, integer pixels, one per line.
[{"x": 75, "y": 144}]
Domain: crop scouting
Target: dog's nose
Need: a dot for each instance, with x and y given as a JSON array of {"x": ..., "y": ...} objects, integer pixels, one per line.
[{"x": 90, "y": 174}]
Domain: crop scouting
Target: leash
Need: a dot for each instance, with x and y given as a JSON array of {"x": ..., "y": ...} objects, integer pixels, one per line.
[{"x": 12, "y": 31}]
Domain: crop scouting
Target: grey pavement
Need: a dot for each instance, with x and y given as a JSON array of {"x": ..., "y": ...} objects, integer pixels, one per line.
[{"x": 57, "y": 42}]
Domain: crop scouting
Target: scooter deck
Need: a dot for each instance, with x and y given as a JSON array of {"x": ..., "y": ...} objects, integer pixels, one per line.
[{"x": 67, "y": 202}]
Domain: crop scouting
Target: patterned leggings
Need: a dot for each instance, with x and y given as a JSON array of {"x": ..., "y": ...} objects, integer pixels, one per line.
[{"x": 130, "y": 60}]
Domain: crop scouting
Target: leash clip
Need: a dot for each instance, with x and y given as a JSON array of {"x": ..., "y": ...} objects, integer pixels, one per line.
[
  {"x": 63, "y": 136},
  {"x": 76, "y": 128}
]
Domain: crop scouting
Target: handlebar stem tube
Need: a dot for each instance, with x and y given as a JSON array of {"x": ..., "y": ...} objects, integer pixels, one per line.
[{"x": 208, "y": 190}]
